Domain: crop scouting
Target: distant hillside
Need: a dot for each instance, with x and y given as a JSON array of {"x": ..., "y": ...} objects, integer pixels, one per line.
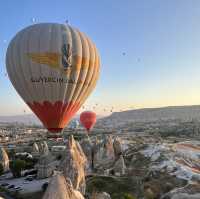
[
  {"x": 22, "y": 119},
  {"x": 118, "y": 118},
  {"x": 27, "y": 119},
  {"x": 153, "y": 114}
]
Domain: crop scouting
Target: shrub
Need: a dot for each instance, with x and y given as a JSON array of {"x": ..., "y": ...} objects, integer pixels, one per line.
[
  {"x": 128, "y": 196},
  {"x": 16, "y": 167},
  {"x": 44, "y": 186},
  {"x": 1, "y": 169}
]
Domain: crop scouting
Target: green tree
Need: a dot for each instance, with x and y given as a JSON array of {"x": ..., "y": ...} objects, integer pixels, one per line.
[
  {"x": 11, "y": 154},
  {"x": 16, "y": 167},
  {"x": 128, "y": 196},
  {"x": 1, "y": 169}
]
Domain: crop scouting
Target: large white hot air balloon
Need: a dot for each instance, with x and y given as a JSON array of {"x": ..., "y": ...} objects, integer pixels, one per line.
[{"x": 54, "y": 68}]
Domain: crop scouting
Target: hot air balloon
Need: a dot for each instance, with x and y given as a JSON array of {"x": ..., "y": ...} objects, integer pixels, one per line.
[
  {"x": 88, "y": 119},
  {"x": 54, "y": 67}
]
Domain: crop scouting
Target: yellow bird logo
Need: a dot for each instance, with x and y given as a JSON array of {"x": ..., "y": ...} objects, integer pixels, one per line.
[{"x": 54, "y": 60}]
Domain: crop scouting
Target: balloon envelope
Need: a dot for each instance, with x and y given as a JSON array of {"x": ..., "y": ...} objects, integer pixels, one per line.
[
  {"x": 54, "y": 68},
  {"x": 88, "y": 119}
]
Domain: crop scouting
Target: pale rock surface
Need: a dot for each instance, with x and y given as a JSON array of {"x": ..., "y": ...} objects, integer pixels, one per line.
[
  {"x": 87, "y": 149},
  {"x": 186, "y": 196},
  {"x": 119, "y": 166},
  {"x": 189, "y": 191},
  {"x": 117, "y": 145},
  {"x": 103, "y": 195},
  {"x": 45, "y": 148},
  {"x": 40, "y": 146},
  {"x": 59, "y": 188},
  {"x": 104, "y": 153},
  {"x": 109, "y": 150},
  {"x": 45, "y": 166},
  {"x": 35, "y": 148},
  {"x": 4, "y": 160},
  {"x": 73, "y": 165}
]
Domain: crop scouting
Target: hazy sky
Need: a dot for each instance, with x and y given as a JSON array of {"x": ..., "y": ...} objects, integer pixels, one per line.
[{"x": 160, "y": 39}]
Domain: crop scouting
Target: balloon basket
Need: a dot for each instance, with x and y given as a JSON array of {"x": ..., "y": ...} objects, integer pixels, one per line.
[{"x": 51, "y": 135}]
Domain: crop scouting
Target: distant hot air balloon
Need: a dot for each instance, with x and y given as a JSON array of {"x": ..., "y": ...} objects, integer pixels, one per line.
[
  {"x": 33, "y": 20},
  {"x": 88, "y": 119},
  {"x": 53, "y": 71}
]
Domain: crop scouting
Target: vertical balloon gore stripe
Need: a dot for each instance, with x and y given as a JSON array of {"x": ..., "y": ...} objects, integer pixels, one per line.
[{"x": 50, "y": 113}]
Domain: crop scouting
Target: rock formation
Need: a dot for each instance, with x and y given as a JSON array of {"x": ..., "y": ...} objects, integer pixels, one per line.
[
  {"x": 73, "y": 165},
  {"x": 117, "y": 147},
  {"x": 189, "y": 191},
  {"x": 45, "y": 148},
  {"x": 109, "y": 150},
  {"x": 35, "y": 148},
  {"x": 104, "y": 153},
  {"x": 45, "y": 166},
  {"x": 93, "y": 152},
  {"x": 59, "y": 188},
  {"x": 102, "y": 195},
  {"x": 4, "y": 160},
  {"x": 186, "y": 196},
  {"x": 119, "y": 166},
  {"x": 87, "y": 149}
]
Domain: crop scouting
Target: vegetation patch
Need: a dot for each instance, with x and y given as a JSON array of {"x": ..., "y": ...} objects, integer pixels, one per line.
[{"x": 117, "y": 187}]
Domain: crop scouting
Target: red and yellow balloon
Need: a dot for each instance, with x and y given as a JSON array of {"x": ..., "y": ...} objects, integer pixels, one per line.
[{"x": 54, "y": 67}]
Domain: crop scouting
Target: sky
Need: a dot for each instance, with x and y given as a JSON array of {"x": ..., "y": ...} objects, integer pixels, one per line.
[{"x": 150, "y": 50}]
